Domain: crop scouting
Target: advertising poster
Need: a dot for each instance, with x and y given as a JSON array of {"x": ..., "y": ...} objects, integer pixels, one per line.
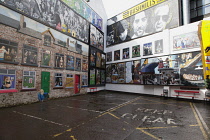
[
  {"x": 69, "y": 81},
  {"x": 92, "y": 57},
  {"x": 98, "y": 77},
  {"x": 78, "y": 64},
  {"x": 8, "y": 51},
  {"x": 69, "y": 62},
  {"x": 136, "y": 71},
  {"x": 117, "y": 55},
  {"x": 92, "y": 76},
  {"x": 159, "y": 46},
  {"x": 103, "y": 60},
  {"x": 103, "y": 77},
  {"x": 126, "y": 53},
  {"x": 147, "y": 47},
  {"x": 84, "y": 64},
  {"x": 141, "y": 20},
  {"x": 128, "y": 72},
  {"x": 98, "y": 59},
  {"x": 108, "y": 73},
  {"x": 84, "y": 80},
  {"x": 136, "y": 51},
  {"x": 46, "y": 56},
  {"x": 186, "y": 41}
]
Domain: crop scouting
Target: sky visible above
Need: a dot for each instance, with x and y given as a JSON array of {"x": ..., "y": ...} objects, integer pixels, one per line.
[{"x": 114, "y": 7}]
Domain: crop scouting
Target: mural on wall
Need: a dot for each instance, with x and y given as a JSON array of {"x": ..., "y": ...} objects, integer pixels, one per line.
[
  {"x": 8, "y": 51},
  {"x": 147, "y": 47},
  {"x": 7, "y": 79},
  {"x": 59, "y": 60},
  {"x": 159, "y": 46},
  {"x": 92, "y": 57},
  {"x": 96, "y": 38},
  {"x": 29, "y": 78},
  {"x": 78, "y": 64},
  {"x": 29, "y": 55},
  {"x": 103, "y": 61},
  {"x": 116, "y": 55},
  {"x": 103, "y": 77},
  {"x": 109, "y": 56},
  {"x": 54, "y": 14},
  {"x": 46, "y": 56},
  {"x": 69, "y": 81},
  {"x": 92, "y": 76},
  {"x": 126, "y": 53},
  {"x": 85, "y": 11},
  {"x": 186, "y": 41},
  {"x": 69, "y": 62},
  {"x": 144, "y": 22},
  {"x": 98, "y": 77},
  {"x": 136, "y": 51},
  {"x": 108, "y": 73}
]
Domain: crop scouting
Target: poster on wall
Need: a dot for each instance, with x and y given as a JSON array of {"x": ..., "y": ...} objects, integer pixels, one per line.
[
  {"x": 92, "y": 76},
  {"x": 136, "y": 51},
  {"x": 138, "y": 22},
  {"x": 147, "y": 47},
  {"x": 159, "y": 46},
  {"x": 7, "y": 79},
  {"x": 126, "y": 53},
  {"x": 103, "y": 77},
  {"x": 46, "y": 56},
  {"x": 96, "y": 38},
  {"x": 128, "y": 72},
  {"x": 59, "y": 60},
  {"x": 115, "y": 75},
  {"x": 84, "y": 64},
  {"x": 108, "y": 73},
  {"x": 136, "y": 71},
  {"x": 69, "y": 62},
  {"x": 121, "y": 72},
  {"x": 69, "y": 81},
  {"x": 78, "y": 64},
  {"x": 93, "y": 57},
  {"x": 93, "y": 41},
  {"x": 29, "y": 55},
  {"x": 103, "y": 60},
  {"x": 54, "y": 14},
  {"x": 98, "y": 77},
  {"x": 116, "y": 55},
  {"x": 186, "y": 41},
  {"x": 8, "y": 51},
  {"x": 98, "y": 59},
  {"x": 109, "y": 56}
]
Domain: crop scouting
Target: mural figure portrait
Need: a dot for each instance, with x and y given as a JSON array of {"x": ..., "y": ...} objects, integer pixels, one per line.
[
  {"x": 58, "y": 82},
  {"x": 123, "y": 31},
  {"x": 140, "y": 24},
  {"x": 3, "y": 51},
  {"x": 162, "y": 17},
  {"x": 7, "y": 83}
]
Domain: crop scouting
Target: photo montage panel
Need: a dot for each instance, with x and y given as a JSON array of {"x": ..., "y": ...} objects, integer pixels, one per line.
[
  {"x": 54, "y": 14},
  {"x": 126, "y": 53}
]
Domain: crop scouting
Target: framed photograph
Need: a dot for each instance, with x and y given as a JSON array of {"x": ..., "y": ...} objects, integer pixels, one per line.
[
  {"x": 126, "y": 53},
  {"x": 117, "y": 55},
  {"x": 109, "y": 56},
  {"x": 159, "y": 46},
  {"x": 136, "y": 51},
  {"x": 147, "y": 47}
]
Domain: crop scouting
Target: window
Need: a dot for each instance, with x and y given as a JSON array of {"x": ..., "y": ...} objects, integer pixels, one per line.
[
  {"x": 46, "y": 56},
  {"x": 69, "y": 81},
  {"x": 78, "y": 64},
  {"x": 47, "y": 40},
  {"x": 84, "y": 80},
  {"x": 7, "y": 79},
  {"x": 8, "y": 51},
  {"x": 69, "y": 62},
  {"x": 58, "y": 80},
  {"x": 29, "y": 80},
  {"x": 59, "y": 60},
  {"x": 29, "y": 55}
]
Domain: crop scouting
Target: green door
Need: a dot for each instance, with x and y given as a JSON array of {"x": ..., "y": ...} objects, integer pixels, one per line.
[{"x": 45, "y": 83}]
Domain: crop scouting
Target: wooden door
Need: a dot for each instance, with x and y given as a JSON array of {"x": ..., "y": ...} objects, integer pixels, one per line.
[
  {"x": 77, "y": 84},
  {"x": 45, "y": 81}
]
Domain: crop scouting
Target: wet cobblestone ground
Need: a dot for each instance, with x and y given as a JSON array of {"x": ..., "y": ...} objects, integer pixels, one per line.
[{"x": 107, "y": 115}]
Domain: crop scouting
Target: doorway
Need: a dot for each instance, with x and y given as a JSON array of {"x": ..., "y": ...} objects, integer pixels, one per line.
[
  {"x": 77, "y": 84},
  {"x": 45, "y": 81}
]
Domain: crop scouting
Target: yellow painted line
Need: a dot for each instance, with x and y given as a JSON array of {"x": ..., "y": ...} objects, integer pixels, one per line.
[
  {"x": 73, "y": 138},
  {"x": 199, "y": 122},
  {"x": 113, "y": 115},
  {"x": 155, "y": 127},
  {"x": 194, "y": 125},
  {"x": 150, "y": 135},
  {"x": 57, "y": 134}
]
